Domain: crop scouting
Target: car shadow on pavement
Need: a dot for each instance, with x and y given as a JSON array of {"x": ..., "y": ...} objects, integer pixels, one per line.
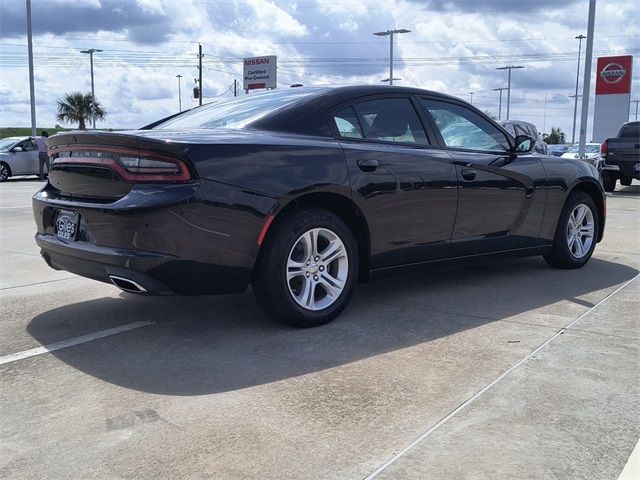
[{"x": 204, "y": 345}]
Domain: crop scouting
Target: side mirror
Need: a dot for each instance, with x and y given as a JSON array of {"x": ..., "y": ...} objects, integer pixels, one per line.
[
  {"x": 17, "y": 149},
  {"x": 524, "y": 144}
]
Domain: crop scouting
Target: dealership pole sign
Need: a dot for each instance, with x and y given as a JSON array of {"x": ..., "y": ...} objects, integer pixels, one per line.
[
  {"x": 613, "y": 94},
  {"x": 260, "y": 72}
]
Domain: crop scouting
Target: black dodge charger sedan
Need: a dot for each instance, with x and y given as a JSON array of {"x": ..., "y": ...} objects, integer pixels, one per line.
[{"x": 303, "y": 192}]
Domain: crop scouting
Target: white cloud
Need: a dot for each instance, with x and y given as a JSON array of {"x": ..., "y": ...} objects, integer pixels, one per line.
[{"x": 453, "y": 48}]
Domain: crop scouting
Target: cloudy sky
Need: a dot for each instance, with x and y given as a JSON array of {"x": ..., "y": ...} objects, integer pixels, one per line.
[{"x": 454, "y": 47}]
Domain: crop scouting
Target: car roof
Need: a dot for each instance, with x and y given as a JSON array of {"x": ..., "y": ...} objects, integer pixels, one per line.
[
  {"x": 306, "y": 115},
  {"x": 14, "y": 138}
]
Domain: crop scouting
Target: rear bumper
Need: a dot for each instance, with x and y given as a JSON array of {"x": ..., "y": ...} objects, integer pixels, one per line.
[
  {"x": 623, "y": 169},
  {"x": 157, "y": 274},
  {"x": 180, "y": 239}
]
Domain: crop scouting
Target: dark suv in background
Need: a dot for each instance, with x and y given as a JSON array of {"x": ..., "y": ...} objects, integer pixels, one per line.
[{"x": 518, "y": 127}]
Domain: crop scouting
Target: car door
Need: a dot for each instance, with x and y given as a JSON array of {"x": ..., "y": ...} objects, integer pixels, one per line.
[
  {"x": 405, "y": 185},
  {"x": 501, "y": 194},
  {"x": 25, "y": 162}
]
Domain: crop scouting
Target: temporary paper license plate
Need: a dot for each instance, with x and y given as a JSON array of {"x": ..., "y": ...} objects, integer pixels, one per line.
[{"x": 67, "y": 224}]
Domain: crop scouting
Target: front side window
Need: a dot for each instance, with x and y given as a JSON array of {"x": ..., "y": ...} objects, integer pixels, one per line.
[
  {"x": 509, "y": 128},
  {"x": 390, "y": 120},
  {"x": 28, "y": 145},
  {"x": 533, "y": 133},
  {"x": 464, "y": 129},
  {"x": 522, "y": 130}
]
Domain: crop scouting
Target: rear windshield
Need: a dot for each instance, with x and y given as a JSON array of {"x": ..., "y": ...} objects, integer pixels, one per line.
[
  {"x": 238, "y": 112},
  {"x": 631, "y": 130}
]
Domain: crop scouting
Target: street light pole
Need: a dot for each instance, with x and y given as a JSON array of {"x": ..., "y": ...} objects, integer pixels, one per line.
[
  {"x": 586, "y": 82},
  {"x": 91, "y": 51},
  {"x": 636, "y": 102},
  {"x": 509, "y": 68},
  {"x": 179, "y": 77},
  {"x": 390, "y": 34},
  {"x": 32, "y": 94},
  {"x": 471, "y": 95},
  {"x": 575, "y": 103},
  {"x": 500, "y": 104}
]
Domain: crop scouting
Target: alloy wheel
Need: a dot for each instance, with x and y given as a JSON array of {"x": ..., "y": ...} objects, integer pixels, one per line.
[
  {"x": 317, "y": 269},
  {"x": 580, "y": 231}
]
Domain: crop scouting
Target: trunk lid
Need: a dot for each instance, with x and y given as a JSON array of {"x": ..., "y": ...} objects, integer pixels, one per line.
[{"x": 104, "y": 166}]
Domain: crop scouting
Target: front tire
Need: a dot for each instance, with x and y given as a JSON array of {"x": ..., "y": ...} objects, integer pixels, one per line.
[
  {"x": 5, "y": 173},
  {"x": 626, "y": 181},
  {"x": 576, "y": 234},
  {"x": 307, "y": 268}
]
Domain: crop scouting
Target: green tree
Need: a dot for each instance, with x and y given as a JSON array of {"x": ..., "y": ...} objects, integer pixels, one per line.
[
  {"x": 75, "y": 107},
  {"x": 555, "y": 137}
]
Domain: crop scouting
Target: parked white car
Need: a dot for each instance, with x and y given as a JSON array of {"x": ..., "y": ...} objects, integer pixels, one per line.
[
  {"x": 591, "y": 152},
  {"x": 18, "y": 156}
]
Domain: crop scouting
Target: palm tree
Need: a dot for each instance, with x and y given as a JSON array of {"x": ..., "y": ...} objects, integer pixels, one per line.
[
  {"x": 75, "y": 107},
  {"x": 555, "y": 137}
]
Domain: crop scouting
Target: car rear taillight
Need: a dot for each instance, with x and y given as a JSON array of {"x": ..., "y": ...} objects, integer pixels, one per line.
[
  {"x": 130, "y": 165},
  {"x": 604, "y": 148}
]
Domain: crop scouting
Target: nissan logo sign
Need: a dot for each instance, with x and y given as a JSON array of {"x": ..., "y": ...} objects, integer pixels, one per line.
[{"x": 613, "y": 73}]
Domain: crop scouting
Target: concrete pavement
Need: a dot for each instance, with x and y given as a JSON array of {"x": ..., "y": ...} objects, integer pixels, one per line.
[{"x": 212, "y": 388}]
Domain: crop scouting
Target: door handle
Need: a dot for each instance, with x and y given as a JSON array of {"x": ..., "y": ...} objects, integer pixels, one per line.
[
  {"x": 367, "y": 164},
  {"x": 468, "y": 173}
]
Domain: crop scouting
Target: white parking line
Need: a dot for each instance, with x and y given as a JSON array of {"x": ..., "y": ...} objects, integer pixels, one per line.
[
  {"x": 70, "y": 342},
  {"x": 487, "y": 387},
  {"x": 632, "y": 468}
]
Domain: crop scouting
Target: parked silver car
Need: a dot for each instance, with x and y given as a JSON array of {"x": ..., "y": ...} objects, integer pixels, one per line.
[
  {"x": 591, "y": 153},
  {"x": 520, "y": 127},
  {"x": 18, "y": 156}
]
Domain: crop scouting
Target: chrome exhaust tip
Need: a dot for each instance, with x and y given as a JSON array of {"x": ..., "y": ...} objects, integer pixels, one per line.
[{"x": 127, "y": 285}]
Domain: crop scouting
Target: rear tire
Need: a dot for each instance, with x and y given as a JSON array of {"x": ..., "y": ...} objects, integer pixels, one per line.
[
  {"x": 626, "y": 181},
  {"x": 608, "y": 181},
  {"x": 576, "y": 233},
  {"x": 307, "y": 268}
]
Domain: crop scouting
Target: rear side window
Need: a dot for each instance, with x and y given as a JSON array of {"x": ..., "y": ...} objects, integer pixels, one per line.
[
  {"x": 390, "y": 120},
  {"x": 630, "y": 131},
  {"x": 464, "y": 129},
  {"x": 347, "y": 123}
]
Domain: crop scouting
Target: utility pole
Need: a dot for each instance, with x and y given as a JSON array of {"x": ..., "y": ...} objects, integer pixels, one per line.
[
  {"x": 390, "y": 34},
  {"x": 200, "y": 55},
  {"x": 586, "y": 83},
  {"x": 636, "y": 102},
  {"x": 32, "y": 94},
  {"x": 235, "y": 87},
  {"x": 471, "y": 95},
  {"x": 91, "y": 51},
  {"x": 575, "y": 103},
  {"x": 179, "y": 77},
  {"x": 544, "y": 121},
  {"x": 500, "y": 104},
  {"x": 509, "y": 68}
]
